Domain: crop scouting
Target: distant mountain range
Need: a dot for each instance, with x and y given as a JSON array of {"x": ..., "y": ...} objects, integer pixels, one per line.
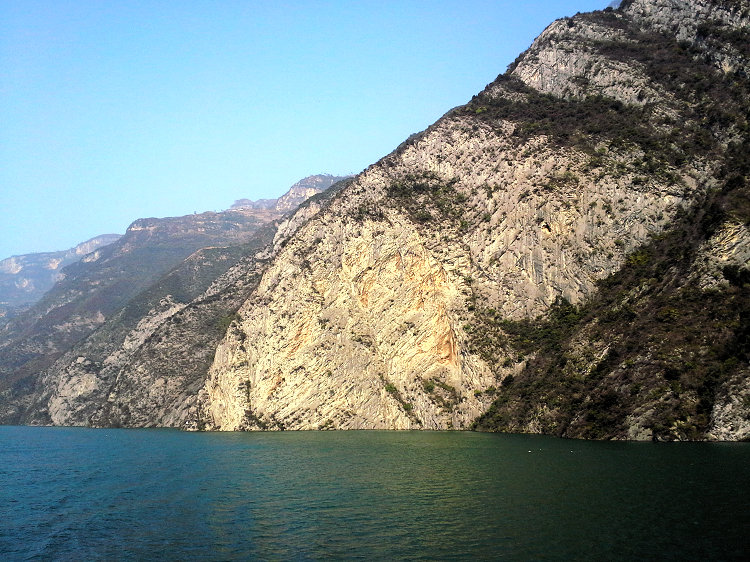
[
  {"x": 567, "y": 253},
  {"x": 24, "y": 279},
  {"x": 174, "y": 258}
]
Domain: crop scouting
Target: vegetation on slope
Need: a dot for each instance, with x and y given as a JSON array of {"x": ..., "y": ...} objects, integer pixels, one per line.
[
  {"x": 650, "y": 353},
  {"x": 652, "y": 345}
]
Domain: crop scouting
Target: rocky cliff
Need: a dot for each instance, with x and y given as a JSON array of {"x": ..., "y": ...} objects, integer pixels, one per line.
[
  {"x": 53, "y": 353},
  {"x": 395, "y": 305},
  {"x": 567, "y": 253}
]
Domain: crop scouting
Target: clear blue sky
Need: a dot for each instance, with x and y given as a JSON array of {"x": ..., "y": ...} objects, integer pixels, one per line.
[{"x": 114, "y": 110}]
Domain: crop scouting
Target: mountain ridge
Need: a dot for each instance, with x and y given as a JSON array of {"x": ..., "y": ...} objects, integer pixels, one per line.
[
  {"x": 413, "y": 378},
  {"x": 295, "y": 195},
  {"x": 183, "y": 255},
  {"x": 567, "y": 253},
  {"x": 25, "y": 278}
]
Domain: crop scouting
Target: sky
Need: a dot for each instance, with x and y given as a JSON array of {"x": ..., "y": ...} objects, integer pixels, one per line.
[{"x": 114, "y": 110}]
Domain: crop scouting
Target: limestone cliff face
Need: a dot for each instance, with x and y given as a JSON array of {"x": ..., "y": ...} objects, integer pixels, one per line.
[
  {"x": 361, "y": 320},
  {"x": 727, "y": 250},
  {"x": 690, "y": 22},
  {"x": 167, "y": 292},
  {"x": 366, "y": 340},
  {"x": 730, "y": 414},
  {"x": 566, "y": 59},
  {"x": 373, "y": 312},
  {"x": 660, "y": 351},
  {"x": 728, "y": 247},
  {"x": 567, "y": 253}
]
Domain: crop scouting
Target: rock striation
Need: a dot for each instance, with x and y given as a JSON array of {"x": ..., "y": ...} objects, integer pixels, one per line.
[
  {"x": 386, "y": 309},
  {"x": 567, "y": 253}
]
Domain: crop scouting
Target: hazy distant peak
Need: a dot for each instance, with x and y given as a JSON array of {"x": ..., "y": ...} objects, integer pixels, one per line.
[
  {"x": 299, "y": 192},
  {"x": 250, "y": 204},
  {"x": 25, "y": 278},
  {"x": 97, "y": 242}
]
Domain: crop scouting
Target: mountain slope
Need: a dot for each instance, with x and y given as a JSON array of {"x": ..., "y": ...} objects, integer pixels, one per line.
[
  {"x": 567, "y": 253},
  {"x": 123, "y": 374},
  {"x": 661, "y": 351},
  {"x": 108, "y": 295},
  {"x": 388, "y": 308},
  {"x": 147, "y": 363},
  {"x": 24, "y": 279}
]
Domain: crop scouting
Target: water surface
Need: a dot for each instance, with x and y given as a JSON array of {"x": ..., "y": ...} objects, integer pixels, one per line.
[{"x": 73, "y": 493}]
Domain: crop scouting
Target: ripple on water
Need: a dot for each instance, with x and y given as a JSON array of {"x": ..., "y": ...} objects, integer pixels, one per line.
[{"x": 129, "y": 494}]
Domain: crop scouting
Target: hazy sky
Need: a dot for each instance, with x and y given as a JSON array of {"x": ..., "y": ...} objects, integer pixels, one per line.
[{"x": 114, "y": 110}]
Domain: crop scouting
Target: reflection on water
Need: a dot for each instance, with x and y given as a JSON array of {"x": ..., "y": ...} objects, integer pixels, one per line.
[{"x": 79, "y": 493}]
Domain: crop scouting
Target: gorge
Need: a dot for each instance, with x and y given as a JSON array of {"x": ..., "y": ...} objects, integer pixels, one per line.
[{"x": 567, "y": 253}]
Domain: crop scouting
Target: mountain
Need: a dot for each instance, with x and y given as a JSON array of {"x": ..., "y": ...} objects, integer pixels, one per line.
[
  {"x": 24, "y": 279},
  {"x": 567, "y": 253},
  {"x": 299, "y": 192},
  {"x": 463, "y": 275},
  {"x": 108, "y": 293}
]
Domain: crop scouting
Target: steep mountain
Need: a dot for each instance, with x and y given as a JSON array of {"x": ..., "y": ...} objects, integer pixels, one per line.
[
  {"x": 24, "y": 279},
  {"x": 470, "y": 256},
  {"x": 567, "y": 253},
  {"x": 110, "y": 291},
  {"x": 147, "y": 364},
  {"x": 661, "y": 349}
]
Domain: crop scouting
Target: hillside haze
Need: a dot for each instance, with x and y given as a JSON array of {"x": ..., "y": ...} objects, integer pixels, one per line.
[
  {"x": 107, "y": 292},
  {"x": 567, "y": 253},
  {"x": 25, "y": 278},
  {"x": 299, "y": 192}
]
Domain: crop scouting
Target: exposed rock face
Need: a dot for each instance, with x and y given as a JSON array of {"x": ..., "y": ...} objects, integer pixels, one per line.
[
  {"x": 373, "y": 312},
  {"x": 728, "y": 247},
  {"x": 660, "y": 351},
  {"x": 565, "y": 60},
  {"x": 567, "y": 253},
  {"x": 380, "y": 312},
  {"x": 686, "y": 20},
  {"x": 730, "y": 415}
]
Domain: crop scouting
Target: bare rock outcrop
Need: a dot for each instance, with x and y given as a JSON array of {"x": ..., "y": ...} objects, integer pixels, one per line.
[
  {"x": 567, "y": 253},
  {"x": 370, "y": 314}
]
